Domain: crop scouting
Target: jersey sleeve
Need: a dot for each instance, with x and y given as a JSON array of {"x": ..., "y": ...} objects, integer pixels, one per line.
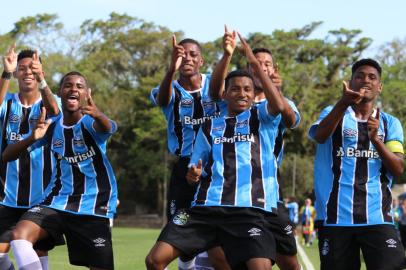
[
  {"x": 202, "y": 147},
  {"x": 265, "y": 116},
  {"x": 3, "y": 106},
  {"x": 101, "y": 137},
  {"x": 296, "y": 111},
  {"x": 154, "y": 94},
  {"x": 323, "y": 114},
  {"x": 394, "y": 138}
]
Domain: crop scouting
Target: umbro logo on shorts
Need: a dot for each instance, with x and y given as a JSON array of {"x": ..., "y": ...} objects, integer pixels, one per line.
[
  {"x": 255, "y": 232},
  {"x": 288, "y": 229},
  {"x": 99, "y": 242},
  {"x": 35, "y": 209},
  {"x": 325, "y": 248},
  {"x": 391, "y": 243}
]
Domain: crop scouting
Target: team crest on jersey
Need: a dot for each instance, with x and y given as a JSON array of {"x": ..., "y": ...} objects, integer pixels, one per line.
[
  {"x": 57, "y": 143},
  {"x": 242, "y": 124},
  {"x": 208, "y": 105},
  {"x": 78, "y": 141},
  {"x": 350, "y": 133},
  {"x": 181, "y": 218},
  {"x": 186, "y": 102},
  {"x": 14, "y": 118}
]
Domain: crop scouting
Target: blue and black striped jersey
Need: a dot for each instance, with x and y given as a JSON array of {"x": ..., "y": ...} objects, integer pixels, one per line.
[
  {"x": 238, "y": 160},
  {"x": 186, "y": 111},
  {"x": 25, "y": 179},
  {"x": 83, "y": 181},
  {"x": 352, "y": 185}
]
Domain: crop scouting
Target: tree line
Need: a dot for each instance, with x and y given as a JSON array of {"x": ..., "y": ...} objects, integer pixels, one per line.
[{"x": 124, "y": 57}]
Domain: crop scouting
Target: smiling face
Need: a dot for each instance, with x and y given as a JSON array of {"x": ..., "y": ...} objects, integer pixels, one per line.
[
  {"x": 367, "y": 78},
  {"x": 193, "y": 61},
  {"x": 24, "y": 75},
  {"x": 239, "y": 94},
  {"x": 73, "y": 92}
]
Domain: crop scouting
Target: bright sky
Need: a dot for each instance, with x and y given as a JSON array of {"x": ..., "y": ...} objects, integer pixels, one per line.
[{"x": 203, "y": 20}]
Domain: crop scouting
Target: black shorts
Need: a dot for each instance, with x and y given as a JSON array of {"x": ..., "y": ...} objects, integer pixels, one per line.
[
  {"x": 88, "y": 237},
  {"x": 240, "y": 231},
  {"x": 9, "y": 217},
  {"x": 339, "y": 247},
  {"x": 283, "y": 231},
  {"x": 180, "y": 193}
]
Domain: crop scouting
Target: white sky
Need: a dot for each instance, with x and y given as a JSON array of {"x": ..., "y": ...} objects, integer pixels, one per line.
[{"x": 203, "y": 20}]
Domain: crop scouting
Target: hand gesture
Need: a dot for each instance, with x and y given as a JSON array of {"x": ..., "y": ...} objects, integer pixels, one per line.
[
  {"x": 194, "y": 172},
  {"x": 351, "y": 97},
  {"x": 276, "y": 77},
  {"x": 36, "y": 67},
  {"x": 42, "y": 125},
  {"x": 373, "y": 125},
  {"x": 246, "y": 50},
  {"x": 178, "y": 53},
  {"x": 10, "y": 60},
  {"x": 229, "y": 41},
  {"x": 88, "y": 106}
]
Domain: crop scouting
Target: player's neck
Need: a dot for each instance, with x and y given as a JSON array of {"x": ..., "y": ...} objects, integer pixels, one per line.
[
  {"x": 191, "y": 83},
  {"x": 259, "y": 95},
  {"x": 363, "y": 110},
  {"x": 28, "y": 98},
  {"x": 71, "y": 118}
]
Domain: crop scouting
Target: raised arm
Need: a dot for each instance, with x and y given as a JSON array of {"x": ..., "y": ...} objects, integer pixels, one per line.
[
  {"x": 9, "y": 66},
  {"x": 272, "y": 94},
  {"x": 392, "y": 161},
  {"x": 13, "y": 151},
  {"x": 329, "y": 124},
  {"x": 48, "y": 98},
  {"x": 220, "y": 71},
  {"x": 165, "y": 88},
  {"x": 101, "y": 122}
]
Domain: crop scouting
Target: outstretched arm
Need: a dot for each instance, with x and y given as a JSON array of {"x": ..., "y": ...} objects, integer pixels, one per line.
[
  {"x": 165, "y": 88},
  {"x": 13, "y": 151},
  {"x": 48, "y": 98},
  {"x": 274, "y": 98},
  {"x": 329, "y": 124},
  {"x": 219, "y": 74}
]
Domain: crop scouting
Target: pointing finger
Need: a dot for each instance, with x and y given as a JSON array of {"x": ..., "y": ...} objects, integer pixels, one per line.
[
  {"x": 12, "y": 48},
  {"x": 225, "y": 29},
  {"x": 378, "y": 112},
  {"x": 174, "y": 41},
  {"x": 43, "y": 114}
]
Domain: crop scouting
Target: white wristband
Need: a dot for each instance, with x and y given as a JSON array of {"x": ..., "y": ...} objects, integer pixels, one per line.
[{"x": 42, "y": 85}]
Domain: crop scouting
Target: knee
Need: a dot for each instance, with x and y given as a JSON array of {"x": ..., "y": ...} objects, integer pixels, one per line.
[{"x": 153, "y": 263}]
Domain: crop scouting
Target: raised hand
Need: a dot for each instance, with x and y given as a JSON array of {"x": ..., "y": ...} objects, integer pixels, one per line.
[
  {"x": 373, "y": 126},
  {"x": 351, "y": 97},
  {"x": 245, "y": 49},
  {"x": 42, "y": 125},
  {"x": 194, "y": 172},
  {"x": 88, "y": 106},
  {"x": 36, "y": 67},
  {"x": 10, "y": 59},
  {"x": 229, "y": 41},
  {"x": 178, "y": 52}
]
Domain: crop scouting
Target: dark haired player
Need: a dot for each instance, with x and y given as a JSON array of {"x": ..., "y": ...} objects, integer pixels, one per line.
[
  {"x": 281, "y": 226},
  {"x": 359, "y": 151},
  {"x": 82, "y": 195},
  {"x": 236, "y": 187},
  {"x": 23, "y": 181}
]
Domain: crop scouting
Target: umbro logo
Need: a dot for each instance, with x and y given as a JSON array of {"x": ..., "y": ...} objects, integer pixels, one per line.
[
  {"x": 35, "y": 209},
  {"x": 288, "y": 229},
  {"x": 14, "y": 118},
  {"x": 391, "y": 243},
  {"x": 99, "y": 242},
  {"x": 255, "y": 232},
  {"x": 350, "y": 132},
  {"x": 57, "y": 143}
]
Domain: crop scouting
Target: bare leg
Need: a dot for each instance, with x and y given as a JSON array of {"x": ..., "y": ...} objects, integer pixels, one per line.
[
  {"x": 218, "y": 259},
  {"x": 160, "y": 256}
]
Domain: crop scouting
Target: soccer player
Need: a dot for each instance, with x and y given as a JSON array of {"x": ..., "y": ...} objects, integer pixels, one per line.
[
  {"x": 186, "y": 104},
  {"x": 359, "y": 151},
  {"x": 83, "y": 194},
  {"x": 237, "y": 186},
  {"x": 280, "y": 225},
  {"x": 25, "y": 179}
]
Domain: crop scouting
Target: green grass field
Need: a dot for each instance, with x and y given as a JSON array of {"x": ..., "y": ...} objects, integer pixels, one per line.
[{"x": 131, "y": 245}]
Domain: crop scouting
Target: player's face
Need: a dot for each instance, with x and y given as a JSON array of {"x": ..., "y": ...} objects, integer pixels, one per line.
[
  {"x": 192, "y": 61},
  {"x": 265, "y": 60},
  {"x": 367, "y": 77},
  {"x": 73, "y": 92},
  {"x": 24, "y": 75},
  {"x": 239, "y": 95}
]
